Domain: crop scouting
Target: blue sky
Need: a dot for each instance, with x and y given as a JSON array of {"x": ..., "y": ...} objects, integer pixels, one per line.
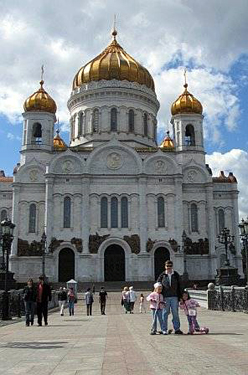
[{"x": 208, "y": 38}]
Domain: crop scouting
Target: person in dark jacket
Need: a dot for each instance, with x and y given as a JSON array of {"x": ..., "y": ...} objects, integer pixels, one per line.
[
  {"x": 43, "y": 296},
  {"x": 29, "y": 297},
  {"x": 62, "y": 298},
  {"x": 171, "y": 290}
]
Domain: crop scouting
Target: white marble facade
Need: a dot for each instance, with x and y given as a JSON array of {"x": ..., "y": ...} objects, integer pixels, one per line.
[{"x": 104, "y": 163}]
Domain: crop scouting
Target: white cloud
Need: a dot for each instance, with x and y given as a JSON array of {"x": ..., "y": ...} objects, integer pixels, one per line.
[
  {"x": 13, "y": 137},
  {"x": 235, "y": 161}
]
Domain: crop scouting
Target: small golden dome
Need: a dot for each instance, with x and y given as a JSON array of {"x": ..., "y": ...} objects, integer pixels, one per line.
[
  {"x": 186, "y": 103},
  {"x": 40, "y": 101},
  {"x": 167, "y": 142},
  {"x": 58, "y": 143},
  {"x": 113, "y": 63}
]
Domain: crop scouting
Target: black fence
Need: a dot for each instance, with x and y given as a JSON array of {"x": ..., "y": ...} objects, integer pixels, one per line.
[
  {"x": 228, "y": 299},
  {"x": 16, "y": 305}
]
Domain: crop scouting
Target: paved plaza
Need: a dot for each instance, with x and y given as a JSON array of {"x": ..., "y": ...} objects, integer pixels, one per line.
[{"x": 120, "y": 344}]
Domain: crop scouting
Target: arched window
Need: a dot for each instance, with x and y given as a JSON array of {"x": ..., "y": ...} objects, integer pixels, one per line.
[
  {"x": 114, "y": 212},
  {"x": 67, "y": 212},
  {"x": 3, "y": 215},
  {"x": 194, "y": 218},
  {"x": 145, "y": 120},
  {"x": 113, "y": 121},
  {"x": 161, "y": 216},
  {"x": 124, "y": 212},
  {"x": 80, "y": 124},
  {"x": 104, "y": 212},
  {"x": 221, "y": 220},
  {"x": 189, "y": 135},
  {"x": 131, "y": 121},
  {"x": 32, "y": 218},
  {"x": 37, "y": 133},
  {"x": 95, "y": 120}
]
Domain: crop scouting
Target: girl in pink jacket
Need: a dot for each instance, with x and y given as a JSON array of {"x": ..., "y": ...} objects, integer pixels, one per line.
[
  {"x": 189, "y": 306},
  {"x": 156, "y": 305}
]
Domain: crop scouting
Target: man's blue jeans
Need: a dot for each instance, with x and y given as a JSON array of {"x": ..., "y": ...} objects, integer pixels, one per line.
[{"x": 171, "y": 305}]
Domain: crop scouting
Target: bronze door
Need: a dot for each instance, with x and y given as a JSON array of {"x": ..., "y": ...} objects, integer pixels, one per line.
[
  {"x": 114, "y": 263},
  {"x": 66, "y": 265},
  {"x": 160, "y": 257}
]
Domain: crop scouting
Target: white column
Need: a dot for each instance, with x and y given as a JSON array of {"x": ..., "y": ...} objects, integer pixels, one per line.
[
  {"x": 86, "y": 214},
  {"x": 142, "y": 214},
  {"x": 211, "y": 220},
  {"x": 49, "y": 217},
  {"x": 15, "y": 217},
  {"x": 179, "y": 209},
  {"x": 235, "y": 231}
]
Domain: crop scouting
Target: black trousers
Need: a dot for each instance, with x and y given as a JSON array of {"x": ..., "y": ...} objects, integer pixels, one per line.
[
  {"x": 89, "y": 309},
  {"x": 102, "y": 306},
  {"x": 42, "y": 310}
]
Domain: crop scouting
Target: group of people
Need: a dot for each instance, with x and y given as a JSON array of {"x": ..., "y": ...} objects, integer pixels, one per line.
[
  {"x": 128, "y": 299},
  {"x": 168, "y": 297}
]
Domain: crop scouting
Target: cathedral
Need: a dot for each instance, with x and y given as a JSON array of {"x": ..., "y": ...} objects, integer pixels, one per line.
[{"x": 113, "y": 205}]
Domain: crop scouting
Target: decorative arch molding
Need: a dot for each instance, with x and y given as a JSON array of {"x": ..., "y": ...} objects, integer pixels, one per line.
[
  {"x": 58, "y": 164},
  {"x": 32, "y": 172},
  {"x": 124, "y": 245},
  {"x": 55, "y": 255},
  {"x": 161, "y": 164},
  {"x": 193, "y": 172},
  {"x": 166, "y": 244}
]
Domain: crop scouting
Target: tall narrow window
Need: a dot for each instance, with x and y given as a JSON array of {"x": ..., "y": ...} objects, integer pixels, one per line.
[
  {"x": 189, "y": 135},
  {"x": 32, "y": 218},
  {"x": 95, "y": 120},
  {"x": 3, "y": 215},
  {"x": 37, "y": 133},
  {"x": 67, "y": 212},
  {"x": 114, "y": 212},
  {"x": 104, "y": 212},
  {"x": 124, "y": 212},
  {"x": 113, "y": 121},
  {"x": 194, "y": 218},
  {"x": 221, "y": 219},
  {"x": 145, "y": 119},
  {"x": 131, "y": 121},
  {"x": 80, "y": 124},
  {"x": 72, "y": 128},
  {"x": 161, "y": 217}
]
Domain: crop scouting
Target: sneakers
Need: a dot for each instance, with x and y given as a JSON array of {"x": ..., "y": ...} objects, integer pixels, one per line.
[
  {"x": 178, "y": 332},
  {"x": 153, "y": 333},
  {"x": 164, "y": 333},
  {"x": 170, "y": 331}
]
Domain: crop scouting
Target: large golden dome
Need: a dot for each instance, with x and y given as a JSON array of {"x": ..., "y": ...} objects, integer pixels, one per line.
[
  {"x": 40, "y": 101},
  {"x": 113, "y": 63},
  {"x": 186, "y": 103}
]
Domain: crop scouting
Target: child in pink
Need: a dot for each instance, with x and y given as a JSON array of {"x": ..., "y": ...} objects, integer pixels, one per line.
[
  {"x": 156, "y": 305},
  {"x": 189, "y": 306}
]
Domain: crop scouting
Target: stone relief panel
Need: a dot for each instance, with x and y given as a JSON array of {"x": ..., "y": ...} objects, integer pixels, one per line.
[
  {"x": 113, "y": 161},
  {"x": 159, "y": 165},
  {"x": 31, "y": 174},
  {"x": 66, "y": 165},
  {"x": 193, "y": 175}
]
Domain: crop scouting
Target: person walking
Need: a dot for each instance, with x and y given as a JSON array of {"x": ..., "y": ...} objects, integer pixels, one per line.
[
  {"x": 43, "y": 296},
  {"x": 125, "y": 299},
  {"x": 29, "y": 297},
  {"x": 62, "y": 298},
  {"x": 142, "y": 306},
  {"x": 71, "y": 300},
  {"x": 132, "y": 298},
  {"x": 89, "y": 301},
  {"x": 172, "y": 292},
  {"x": 102, "y": 300}
]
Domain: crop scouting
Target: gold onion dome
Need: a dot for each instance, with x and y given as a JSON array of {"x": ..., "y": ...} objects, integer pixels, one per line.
[
  {"x": 113, "y": 63},
  {"x": 40, "y": 101},
  {"x": 167, "y": 142},
  {"x": 58, "y": 142},
  {"x": 186, "y": 103}
]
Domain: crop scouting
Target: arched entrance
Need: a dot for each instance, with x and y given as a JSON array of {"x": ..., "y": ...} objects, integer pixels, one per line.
[
  {"x": 161, "y": 255},
  {"x": 114, "y": 263},
  {"x": 66, "y": 265}
]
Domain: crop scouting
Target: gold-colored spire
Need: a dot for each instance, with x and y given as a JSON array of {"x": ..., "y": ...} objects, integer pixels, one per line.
[
  {"x": 186, "y": 102},
  {"x": 58, "y": 143},
  {"x": 167, "y": 142},
  {"x": 114, "y": 31},
  {"x": 113, "y": 63},
  {"x": 40, "y": 101}
]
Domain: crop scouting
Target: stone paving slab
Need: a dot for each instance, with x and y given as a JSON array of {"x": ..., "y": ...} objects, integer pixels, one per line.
[{"x": 119, "y": 344}]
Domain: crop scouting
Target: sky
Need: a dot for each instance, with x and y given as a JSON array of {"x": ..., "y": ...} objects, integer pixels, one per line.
[{"x": 208, "y": 38}]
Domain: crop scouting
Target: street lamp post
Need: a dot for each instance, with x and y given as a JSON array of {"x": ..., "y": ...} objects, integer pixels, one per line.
[
  {"x": 226, "y": 274},
  {"x": 7, "y": 238},
  {"x": 243, "y": 227},
  {"x": 185, "y": 273},
  {"x": 43, "y": 245}
]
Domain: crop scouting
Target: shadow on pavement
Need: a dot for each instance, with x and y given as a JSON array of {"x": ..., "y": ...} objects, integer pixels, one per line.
[{"x": 35, "y": 345}]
